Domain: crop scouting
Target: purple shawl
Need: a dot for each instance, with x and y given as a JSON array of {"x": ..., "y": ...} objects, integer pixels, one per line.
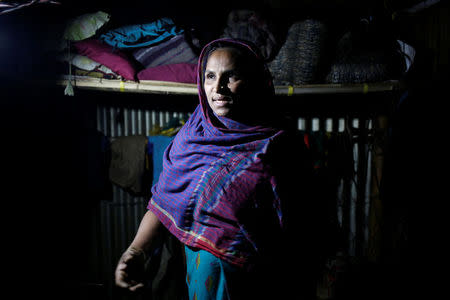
[{"x": 216, "y": 176}]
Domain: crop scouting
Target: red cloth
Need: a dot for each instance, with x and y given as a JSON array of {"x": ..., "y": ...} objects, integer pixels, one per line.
[
  {"x": 106, "y": 55},
  {"x": 182, "y": 72}
]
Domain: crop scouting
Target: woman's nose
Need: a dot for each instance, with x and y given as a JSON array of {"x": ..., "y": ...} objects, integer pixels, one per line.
[{"x": 220, "y": 86}]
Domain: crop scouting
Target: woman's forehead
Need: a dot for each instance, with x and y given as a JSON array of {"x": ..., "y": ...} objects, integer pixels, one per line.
[{"x": 221, "y": 57}]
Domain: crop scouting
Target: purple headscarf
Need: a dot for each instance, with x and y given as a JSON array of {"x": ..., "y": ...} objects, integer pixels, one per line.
[{"x": 217, "y": 176}]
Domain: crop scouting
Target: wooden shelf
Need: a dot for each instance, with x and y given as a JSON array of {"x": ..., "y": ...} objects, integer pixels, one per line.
[
  {"x": 144, "y": 86},
  {"x": 357, "y": 88},
  {"x": 164, "y": 87}
]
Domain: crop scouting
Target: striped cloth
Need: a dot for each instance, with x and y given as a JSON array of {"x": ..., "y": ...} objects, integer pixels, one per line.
[
  {"x": 216, "y": 182},
  {"x": 174, "y": 51}
]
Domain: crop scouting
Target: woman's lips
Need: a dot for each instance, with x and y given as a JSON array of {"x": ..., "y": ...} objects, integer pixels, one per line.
[
  {"x": 222, "y": 101},
  {"x": 221, "y": 98}
]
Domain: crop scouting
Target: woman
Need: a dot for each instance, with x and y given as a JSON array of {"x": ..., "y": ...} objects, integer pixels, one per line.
[{"x": 222, "y": 188}]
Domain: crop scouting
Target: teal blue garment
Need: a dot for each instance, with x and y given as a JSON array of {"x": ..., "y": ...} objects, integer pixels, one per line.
[
  {"x": 135, "y": 36},
  {"x": 157, "y": 144},
  {"x": 207, "y": 277}
]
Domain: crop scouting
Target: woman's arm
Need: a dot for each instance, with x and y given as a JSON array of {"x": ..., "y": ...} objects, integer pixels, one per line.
[
  {"x": 147, "y": 231},
  {"x": 130, "y": 267}
]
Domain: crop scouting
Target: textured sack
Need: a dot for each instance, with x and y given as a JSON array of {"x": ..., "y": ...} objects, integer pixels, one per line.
[
  {"x": 128, "y": 162},
  {"x": 250, "y": 26},
  {"x": 358, "y": 61}
]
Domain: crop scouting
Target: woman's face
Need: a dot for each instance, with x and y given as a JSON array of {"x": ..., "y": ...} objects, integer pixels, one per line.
[{"x": 223, "y": 82}]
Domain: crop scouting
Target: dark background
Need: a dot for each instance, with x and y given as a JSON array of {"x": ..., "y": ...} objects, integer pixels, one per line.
[{"x": 45, "y": 191}]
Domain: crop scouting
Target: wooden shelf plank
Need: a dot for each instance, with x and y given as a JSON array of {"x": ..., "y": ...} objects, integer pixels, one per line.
[
  {"x": 165, "y": 87},
  {"x": 147, "y": 86}
]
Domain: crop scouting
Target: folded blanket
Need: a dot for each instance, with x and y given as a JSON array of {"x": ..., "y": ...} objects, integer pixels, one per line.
[
  {"x": 134, "y": 36},
  {"x": 174, "y": 51}
]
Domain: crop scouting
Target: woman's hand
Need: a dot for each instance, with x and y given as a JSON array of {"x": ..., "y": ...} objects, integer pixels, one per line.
[{"x": 129, "y": 272}]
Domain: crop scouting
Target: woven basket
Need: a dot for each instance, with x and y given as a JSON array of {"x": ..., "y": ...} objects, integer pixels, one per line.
[
  {"x": 358, "y": 64},
  {"x": 299, "y": 59}
]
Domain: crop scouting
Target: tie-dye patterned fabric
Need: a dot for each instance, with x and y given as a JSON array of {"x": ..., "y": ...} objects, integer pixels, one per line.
[
  {"x": 207, "y": 277},
  {"x": 216, "y": 179}
]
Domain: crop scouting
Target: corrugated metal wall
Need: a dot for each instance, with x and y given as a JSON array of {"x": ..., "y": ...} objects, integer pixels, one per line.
[
  {"x": 120, "y": 217},
  {"x": 353, "y": 193}
]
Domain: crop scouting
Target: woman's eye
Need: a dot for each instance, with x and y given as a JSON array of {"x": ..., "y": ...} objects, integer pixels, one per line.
[
  {"x": 233, "y": 78},
  {"x": 210, "y": 76}
]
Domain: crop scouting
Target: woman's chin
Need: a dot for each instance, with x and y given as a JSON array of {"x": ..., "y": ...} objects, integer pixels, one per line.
[{"x": 223, "y": 112}]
